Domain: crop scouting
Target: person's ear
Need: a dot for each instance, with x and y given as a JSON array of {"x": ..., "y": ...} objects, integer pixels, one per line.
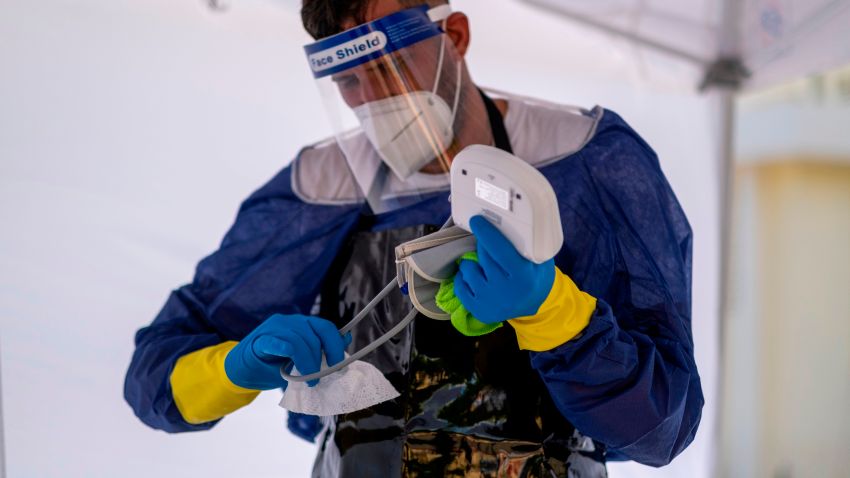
[{"x": 457, "y": 28}]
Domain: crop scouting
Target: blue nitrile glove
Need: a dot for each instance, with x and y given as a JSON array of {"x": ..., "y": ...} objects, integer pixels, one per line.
[
  {"x": 255, "y": 362},
  {"x": 502, "y": 285}
]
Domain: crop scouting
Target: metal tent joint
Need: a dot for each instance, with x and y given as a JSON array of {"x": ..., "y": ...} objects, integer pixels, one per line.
[
  {"x": 725, "y": 73},
  {"x": 217, "y": 5}
]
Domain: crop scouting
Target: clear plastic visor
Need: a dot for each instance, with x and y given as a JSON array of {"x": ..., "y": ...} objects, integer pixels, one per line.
[{"x": 394, "y": 91}]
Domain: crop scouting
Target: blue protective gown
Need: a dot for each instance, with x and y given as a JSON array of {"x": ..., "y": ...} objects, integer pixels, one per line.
[{"x": 629, "y": 380}]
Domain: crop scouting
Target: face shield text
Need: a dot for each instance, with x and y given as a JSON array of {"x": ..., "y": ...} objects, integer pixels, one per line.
[{"x": 350, "y": 51}]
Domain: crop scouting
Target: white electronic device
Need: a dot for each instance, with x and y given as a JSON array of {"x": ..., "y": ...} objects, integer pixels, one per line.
[{"x": 512, "y": 194}]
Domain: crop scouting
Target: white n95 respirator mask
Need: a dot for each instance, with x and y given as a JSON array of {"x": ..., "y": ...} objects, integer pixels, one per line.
[
  {"x": 408, "y": 131},
  {"x": 396, "y": 127}
]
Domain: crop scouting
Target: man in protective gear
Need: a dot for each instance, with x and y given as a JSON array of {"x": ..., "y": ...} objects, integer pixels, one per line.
[{"x": 596, "y": 362}]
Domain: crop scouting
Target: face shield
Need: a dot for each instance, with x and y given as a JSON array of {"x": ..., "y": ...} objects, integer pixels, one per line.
[{"x": 396, "y": 96}]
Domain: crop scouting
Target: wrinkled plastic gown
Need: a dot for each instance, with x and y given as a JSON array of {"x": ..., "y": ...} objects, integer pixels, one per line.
[{"x": 468, "y": 406}]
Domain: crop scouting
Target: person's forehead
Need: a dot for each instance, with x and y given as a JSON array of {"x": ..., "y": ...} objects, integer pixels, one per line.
[{"x": 375, "y": 10}]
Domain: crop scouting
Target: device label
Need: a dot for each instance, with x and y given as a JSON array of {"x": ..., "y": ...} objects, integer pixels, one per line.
[{"x": 492, "y": 194}]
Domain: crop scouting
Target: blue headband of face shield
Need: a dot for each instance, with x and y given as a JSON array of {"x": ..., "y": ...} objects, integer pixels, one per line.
[{"x": 372, "y": 40}]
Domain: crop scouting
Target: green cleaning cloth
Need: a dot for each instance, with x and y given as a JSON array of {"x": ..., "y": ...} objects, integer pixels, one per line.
[{"x": 462, "y": 319}]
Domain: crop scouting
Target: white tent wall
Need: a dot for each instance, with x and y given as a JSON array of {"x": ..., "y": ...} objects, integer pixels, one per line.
[{"x": 130, "y": 130}]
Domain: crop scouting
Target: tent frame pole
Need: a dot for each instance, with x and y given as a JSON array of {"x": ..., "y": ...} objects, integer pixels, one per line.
[
  {"x": 625, "y": 34},
  {"x": 726, "y": 177},
  {"x": 2, "y": 425}
]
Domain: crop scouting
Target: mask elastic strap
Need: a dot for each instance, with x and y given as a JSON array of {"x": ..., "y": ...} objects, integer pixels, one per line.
[
  {"x": 457, "y": 94},
  {"x": 440, "y": 14},
  {"x": 440, "y": 61},
  {"x": 346, "y": 329},
  {"x": 440, "y": 73},
  {"x": 356, "y": 355},
  {"x": 368, "y": 308}
]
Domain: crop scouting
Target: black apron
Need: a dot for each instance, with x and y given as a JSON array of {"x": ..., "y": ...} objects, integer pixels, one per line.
[{"x": 469, "y": 406}]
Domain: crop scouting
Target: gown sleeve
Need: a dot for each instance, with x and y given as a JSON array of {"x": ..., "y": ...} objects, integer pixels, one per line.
[
  {"x": 629, "y": 379},
  {"x": 272, "y": 260}
]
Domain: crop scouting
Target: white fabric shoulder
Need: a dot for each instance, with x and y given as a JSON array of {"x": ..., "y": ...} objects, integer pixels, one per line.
[
  {"x": 320, "y": 175},
  {"x": 542, "y": 133}
]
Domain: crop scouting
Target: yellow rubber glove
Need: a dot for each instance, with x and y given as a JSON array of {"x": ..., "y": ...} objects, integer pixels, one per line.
[
  {"x": 201, "y": 389},
  {"x": 562, "y": 316}
]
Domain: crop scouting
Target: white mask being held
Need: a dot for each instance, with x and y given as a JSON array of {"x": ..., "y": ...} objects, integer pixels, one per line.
[
  {"x": 350, "y": 385},
  {"x": 358, "y": 386},
  {"x": 395, "y": 129}
]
